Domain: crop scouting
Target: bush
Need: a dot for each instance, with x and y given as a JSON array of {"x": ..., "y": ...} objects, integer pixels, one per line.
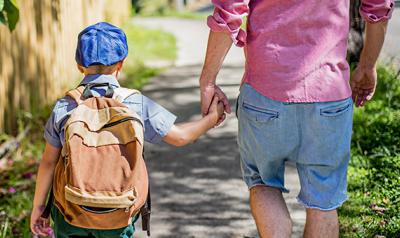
[
  {"x": 151, "y": 7},
  {"x": 146, "y": 45},
  {"x": 374, "y": 172}
]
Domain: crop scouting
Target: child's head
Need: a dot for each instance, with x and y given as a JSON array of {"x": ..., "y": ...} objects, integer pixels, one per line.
[{"x": 101, "y": 49}]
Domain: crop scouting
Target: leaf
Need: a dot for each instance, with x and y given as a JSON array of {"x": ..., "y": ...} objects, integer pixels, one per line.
[
  {"x": 12, "y": 14},
  {"x": 2, "y": 18},
  {"x": 1, "y": 5}
]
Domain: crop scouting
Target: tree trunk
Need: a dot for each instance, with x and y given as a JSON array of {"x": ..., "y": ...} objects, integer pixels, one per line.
[{"x": 357, "y": 26}]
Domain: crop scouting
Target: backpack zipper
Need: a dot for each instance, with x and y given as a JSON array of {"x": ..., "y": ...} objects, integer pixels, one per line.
[{"x": 121, "y": 121}]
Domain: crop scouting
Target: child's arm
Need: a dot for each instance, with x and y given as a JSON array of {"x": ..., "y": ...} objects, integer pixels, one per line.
[
  {"x": 185, "y": 133},
  {"x": 40, "y": 226}
]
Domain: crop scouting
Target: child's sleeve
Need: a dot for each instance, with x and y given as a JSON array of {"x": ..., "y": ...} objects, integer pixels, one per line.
[
  {"x": 51, "y": 133},
  {"x": 157, "y": 120}
]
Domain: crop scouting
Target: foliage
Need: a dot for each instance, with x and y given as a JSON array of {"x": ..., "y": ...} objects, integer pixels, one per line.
[
  {"x": 164, "y": 8},
  {"x": 147, "y": 7},
  {"x": 374, "y": 174},
  {"x": 9, "y": 13},
  {"x": 17, "y": 176},
  {"x": 145, "y": 46}
]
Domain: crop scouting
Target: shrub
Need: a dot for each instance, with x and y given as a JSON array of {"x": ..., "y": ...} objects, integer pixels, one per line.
[{"x": 374, "y": 172}]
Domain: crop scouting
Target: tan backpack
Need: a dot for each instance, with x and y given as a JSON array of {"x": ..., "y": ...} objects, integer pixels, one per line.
[{"x": 101, "y": 180}]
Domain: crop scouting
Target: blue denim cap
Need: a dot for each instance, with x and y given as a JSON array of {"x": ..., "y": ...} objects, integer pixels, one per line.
[{"x": 101, "y": 44}]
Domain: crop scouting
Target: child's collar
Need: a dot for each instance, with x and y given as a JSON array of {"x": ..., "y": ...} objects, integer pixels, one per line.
[{"x": 100, "y": 78}]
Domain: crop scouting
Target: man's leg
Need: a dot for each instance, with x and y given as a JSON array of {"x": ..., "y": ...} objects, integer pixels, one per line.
[
  {"x": 321, "y": 224},
  {"x": 270, "y": 212}
]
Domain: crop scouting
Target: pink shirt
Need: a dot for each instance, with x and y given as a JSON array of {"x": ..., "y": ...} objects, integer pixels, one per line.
[{"x": 295, "y": 50}]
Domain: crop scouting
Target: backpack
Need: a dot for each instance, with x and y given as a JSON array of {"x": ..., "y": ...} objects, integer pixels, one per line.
[{"x": 100, "y": 180}]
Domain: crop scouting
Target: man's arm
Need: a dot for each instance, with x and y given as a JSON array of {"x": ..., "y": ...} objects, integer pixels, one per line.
[
  {"x": 364, "y": 78},
  {"x": 225, "y": 24},
  {"x": 185, "y": 133},
  {"x": 218, "y": 46}
]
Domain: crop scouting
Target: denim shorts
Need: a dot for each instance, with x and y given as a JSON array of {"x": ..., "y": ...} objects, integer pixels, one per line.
[{"x": 314, "y": 136}]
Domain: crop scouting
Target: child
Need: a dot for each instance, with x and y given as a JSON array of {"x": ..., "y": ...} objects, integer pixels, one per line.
[{"x": 100, "y": 54}]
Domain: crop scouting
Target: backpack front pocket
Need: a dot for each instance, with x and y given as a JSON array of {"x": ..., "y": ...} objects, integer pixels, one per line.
[{"x": 100, "y": 199}]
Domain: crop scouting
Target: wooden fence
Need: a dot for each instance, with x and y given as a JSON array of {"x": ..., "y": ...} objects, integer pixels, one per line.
[{"x": 37, "y": 60}]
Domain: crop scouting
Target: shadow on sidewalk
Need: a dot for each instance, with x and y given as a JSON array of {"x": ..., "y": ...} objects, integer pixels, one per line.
[{"x": 197, "y": 190}]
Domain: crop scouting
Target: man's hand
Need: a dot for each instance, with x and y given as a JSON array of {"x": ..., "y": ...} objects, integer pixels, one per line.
[
  {"x": 207, "y": 95},
  {"x": 363, "y": 84},
  {"x": 216, "y": 110},
  {"x": 40, "y": 226}
]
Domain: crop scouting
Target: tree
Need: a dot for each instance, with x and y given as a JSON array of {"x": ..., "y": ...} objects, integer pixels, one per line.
[{"x": 9, "y": 13}]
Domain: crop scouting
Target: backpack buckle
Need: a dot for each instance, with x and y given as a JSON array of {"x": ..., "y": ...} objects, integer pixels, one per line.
[{"x": 87, "y": 93}]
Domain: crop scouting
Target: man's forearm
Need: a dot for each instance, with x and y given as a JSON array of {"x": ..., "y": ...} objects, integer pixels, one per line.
[
  {"x": 374, "y": 38},
  {"x": 217, "y": 48}
]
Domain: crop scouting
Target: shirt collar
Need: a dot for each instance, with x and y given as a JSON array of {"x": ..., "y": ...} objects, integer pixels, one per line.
[{"x": 100, "y": 78}]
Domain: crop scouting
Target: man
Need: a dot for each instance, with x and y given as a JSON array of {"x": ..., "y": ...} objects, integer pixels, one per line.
[{"x": 296, "y": 101}]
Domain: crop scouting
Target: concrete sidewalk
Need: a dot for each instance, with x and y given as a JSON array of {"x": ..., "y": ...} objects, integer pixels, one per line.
[{"x": 197, "y": 191}]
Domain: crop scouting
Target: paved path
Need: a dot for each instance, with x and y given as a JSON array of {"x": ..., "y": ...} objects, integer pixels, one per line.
[{"x": 197, "y": 190}]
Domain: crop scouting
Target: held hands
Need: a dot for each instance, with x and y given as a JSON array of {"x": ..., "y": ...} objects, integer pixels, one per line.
[
  {"x": 363, "y": 84},
  {"x": 40, "y": 226},
  {"x": 208, "y": 95},
  {"x": 216, "y": 110}
]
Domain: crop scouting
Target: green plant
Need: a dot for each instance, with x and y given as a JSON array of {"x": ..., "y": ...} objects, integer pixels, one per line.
[
  {"x": 373, "y": 207},
  {"x": 145, "y": 46},
  {"x": 9, "y": 13}
]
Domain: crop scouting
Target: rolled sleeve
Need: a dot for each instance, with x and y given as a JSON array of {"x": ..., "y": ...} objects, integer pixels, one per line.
[
  {"x": 51, "y": 135},
  {"x": 376, "y": 10},
  {"x": 228, "y": 17},
  {"x": 158, "y": 121}
]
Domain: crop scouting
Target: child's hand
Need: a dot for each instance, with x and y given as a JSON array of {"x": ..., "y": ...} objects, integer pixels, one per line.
[
  {"x": 39, "y": 225},
  {"x": 216, "y": 111}
]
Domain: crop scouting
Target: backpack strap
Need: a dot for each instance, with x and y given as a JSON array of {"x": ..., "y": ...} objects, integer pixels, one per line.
[
  {"x": 120, "y": 94},
  {"x": 76, "y": 94}
]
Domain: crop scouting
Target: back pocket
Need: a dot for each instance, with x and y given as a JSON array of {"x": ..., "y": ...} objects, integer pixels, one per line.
[
  {"x": 259, "y": 114},
  {"x": 336, "y": 110}
]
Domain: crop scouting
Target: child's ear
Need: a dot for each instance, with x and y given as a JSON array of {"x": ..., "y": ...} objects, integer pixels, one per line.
[
  {"x": 120, "y": 64},
  {"x": 80, "y": 68}
]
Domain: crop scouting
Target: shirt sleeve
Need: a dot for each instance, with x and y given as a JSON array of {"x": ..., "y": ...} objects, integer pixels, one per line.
[
  {"x": 228, "y": 17},
  {"x": 376, "y": 10},
  {"x": 51, "y": 133},
  {"x": 157, "y": 120}
]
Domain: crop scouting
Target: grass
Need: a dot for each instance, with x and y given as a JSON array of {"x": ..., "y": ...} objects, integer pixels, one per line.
[
  {"x": 373, "y": 207},
  {"x": 146, "y": 45},
  {"x": 17, "y": 173},
  {"x": 184, "y": 14},
  {"x": 161, "y": 8},
  {"x": 17, "y": 176}
]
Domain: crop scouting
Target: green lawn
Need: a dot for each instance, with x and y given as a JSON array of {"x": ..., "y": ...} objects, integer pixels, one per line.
[
  {"x": 146, "y": 45},
  {"x": 17, "y": 173},
  {"x": 373, "y": 207}
]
